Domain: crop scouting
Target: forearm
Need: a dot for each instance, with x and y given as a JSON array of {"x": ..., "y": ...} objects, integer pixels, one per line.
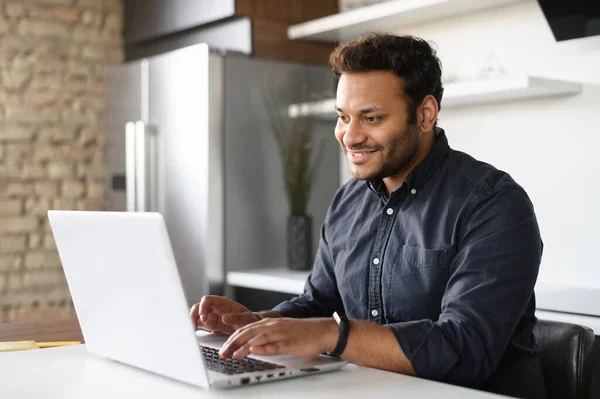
[{"x": 374, "y": 345}]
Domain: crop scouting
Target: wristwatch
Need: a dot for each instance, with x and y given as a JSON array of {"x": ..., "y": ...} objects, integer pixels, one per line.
[{"x": 344, "y": 330}]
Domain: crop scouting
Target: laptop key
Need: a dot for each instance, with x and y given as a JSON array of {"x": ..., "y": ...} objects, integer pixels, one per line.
[{"x": 234, "y": 366}]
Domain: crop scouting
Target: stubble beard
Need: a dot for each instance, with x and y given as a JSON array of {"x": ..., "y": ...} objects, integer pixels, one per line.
[{"x": 397, "y": 155}]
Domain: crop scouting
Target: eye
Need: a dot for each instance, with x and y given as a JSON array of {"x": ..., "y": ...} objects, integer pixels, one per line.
[
  {"x": 343, "y": 118},
  {"x": 372, "y": 119}
]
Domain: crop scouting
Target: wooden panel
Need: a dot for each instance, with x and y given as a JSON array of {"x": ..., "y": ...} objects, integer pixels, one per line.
[
  {"x": 293, "y": 11},
  {"x": 270, "y": 42},
  {"x": 48, "y": 330},
  {"x": 270, "y": 20}
]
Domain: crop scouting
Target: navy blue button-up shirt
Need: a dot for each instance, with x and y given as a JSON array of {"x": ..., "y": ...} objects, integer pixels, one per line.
[{"x": 448, "y": 262}]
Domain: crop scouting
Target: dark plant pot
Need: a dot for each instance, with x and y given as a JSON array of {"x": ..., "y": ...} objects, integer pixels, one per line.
[{"x": 299, "y": 242}]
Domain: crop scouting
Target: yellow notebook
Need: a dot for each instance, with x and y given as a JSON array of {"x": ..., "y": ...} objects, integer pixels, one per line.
[
  {"x": 18, "y": 346},
  {"x": 27, "y": 345},
  {"x": 57, "y": 343}
]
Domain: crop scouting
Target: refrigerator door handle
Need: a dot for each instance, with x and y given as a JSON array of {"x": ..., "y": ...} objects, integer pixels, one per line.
[
  {"x": 130, "y": 166},
  {"x": 141, "y": 179},
  {"x": 140, "y": 167}
]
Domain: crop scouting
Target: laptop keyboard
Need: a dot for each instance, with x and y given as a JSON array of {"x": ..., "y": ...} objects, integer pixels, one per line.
[{"x": 233, "y": 366}]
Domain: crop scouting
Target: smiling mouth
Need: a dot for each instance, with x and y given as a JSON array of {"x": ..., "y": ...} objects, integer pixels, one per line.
[{"x": 358, "y": 157}]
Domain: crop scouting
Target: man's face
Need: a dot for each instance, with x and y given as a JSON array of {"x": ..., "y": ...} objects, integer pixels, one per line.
[{"x": 372, "y": 126}]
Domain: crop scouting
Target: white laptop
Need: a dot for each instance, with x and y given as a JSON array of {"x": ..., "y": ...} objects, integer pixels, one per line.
[{"x": 131, "y": 306}]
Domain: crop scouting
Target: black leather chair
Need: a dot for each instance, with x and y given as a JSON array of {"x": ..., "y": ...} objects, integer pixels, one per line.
[{"x": 566, "y": 351}]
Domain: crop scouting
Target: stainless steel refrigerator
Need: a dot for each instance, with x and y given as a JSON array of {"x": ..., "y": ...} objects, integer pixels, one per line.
[{"x": 188, "y": 136}]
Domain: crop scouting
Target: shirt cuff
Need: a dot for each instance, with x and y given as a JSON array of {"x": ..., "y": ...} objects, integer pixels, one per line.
[
  {"x": 286, "y": 309},
  {"x": 298, "y": 308},
  {"x": 423, "y": 343}
]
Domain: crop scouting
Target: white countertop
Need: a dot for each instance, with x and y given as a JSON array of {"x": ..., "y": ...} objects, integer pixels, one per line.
[
  {"x": 587, "y": 321},
  {"x": 554, "y": 301},
  {"x": 568, "y": 299},
  {"x": 275, "y": 279},
  {"x": 70, "y": 372},
  {"x": 579, "y": 305}
]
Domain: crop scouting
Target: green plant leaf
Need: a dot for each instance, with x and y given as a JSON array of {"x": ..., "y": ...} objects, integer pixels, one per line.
[{"x": 296, "y": 142}]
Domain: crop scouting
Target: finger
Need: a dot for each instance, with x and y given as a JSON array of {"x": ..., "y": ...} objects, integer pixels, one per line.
[
  {"x": 205, "y": 306},
  {"x": 241, "y": 330},
  {"x": 275, "y": 348},
  {"x": 210, "y": 322},
  {"x": 266, "y": 338},
  {"x": 256, "y": 328},
  {"x": 239, "y": 338},
  {"x": 242, "y": 352},
  {"x": 194, "y": 315},
  {"x": 220, "y": 305},
  {"x": 239, "y": 319}
]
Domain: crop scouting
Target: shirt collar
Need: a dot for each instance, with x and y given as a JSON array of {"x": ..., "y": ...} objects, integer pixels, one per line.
[{"x": 421, "y": 173}]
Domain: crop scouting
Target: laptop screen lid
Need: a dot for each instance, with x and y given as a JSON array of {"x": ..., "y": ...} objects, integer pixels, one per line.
[{"x": 127, "y": 291}]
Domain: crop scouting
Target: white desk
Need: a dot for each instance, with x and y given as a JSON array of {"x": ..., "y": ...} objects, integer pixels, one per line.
[{"x": 70, "y": 372}]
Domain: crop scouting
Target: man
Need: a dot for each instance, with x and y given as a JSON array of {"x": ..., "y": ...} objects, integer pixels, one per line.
[{"x": 431, "y": 254}]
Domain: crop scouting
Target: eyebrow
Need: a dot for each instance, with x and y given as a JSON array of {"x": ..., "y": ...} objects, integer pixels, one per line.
[{"x": 362, "y": 111}]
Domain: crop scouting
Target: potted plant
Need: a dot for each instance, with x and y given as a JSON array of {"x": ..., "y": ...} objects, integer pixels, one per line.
[{"x": 300, "y": 153}]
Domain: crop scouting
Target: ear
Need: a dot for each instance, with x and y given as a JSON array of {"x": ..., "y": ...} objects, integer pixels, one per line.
[{"x": 427, "y": 113}]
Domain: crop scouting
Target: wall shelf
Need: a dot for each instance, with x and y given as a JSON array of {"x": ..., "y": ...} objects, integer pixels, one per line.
[
  {"x": 322, "y": 109},
  {"x": 386, "y": 17},
  {"x": 503, "y": 89},
  {"x": 464, "y": 93},
  {"x": 275, "y": 279}
]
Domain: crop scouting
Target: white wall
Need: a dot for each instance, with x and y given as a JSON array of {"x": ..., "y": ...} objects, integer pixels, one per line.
[{"x": 549, "y": 146}]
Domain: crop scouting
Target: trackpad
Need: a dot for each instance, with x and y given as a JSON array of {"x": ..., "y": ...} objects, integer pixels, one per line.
[{"x": 214, "y": 340}]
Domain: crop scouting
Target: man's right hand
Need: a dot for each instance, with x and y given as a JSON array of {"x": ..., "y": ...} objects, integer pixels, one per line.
[{"x": 221, "y": 314}]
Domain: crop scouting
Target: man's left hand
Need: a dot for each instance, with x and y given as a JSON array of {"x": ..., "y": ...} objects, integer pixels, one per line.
[{"x": 278, "y": 336}]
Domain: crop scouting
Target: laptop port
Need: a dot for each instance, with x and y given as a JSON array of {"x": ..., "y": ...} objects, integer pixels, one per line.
[
  {"x": 269, "y": 375},
  {"x": 282, "y": 374},
  {"x": 246, "y": 380},
  {"x": 310, "y": 369}
]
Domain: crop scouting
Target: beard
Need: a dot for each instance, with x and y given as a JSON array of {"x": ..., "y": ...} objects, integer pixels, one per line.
[{"x": 397, "y": 155}]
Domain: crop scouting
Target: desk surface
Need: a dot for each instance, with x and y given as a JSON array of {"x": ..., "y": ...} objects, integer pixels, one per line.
[{"x": 70, "y": 372}]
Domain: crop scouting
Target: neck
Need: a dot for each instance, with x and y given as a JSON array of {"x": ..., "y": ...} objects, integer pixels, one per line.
[{"x": 393, "y": 182}]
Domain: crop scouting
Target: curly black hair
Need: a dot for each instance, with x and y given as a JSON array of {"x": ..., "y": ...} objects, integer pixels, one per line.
[{"x": 411, "y": 58}]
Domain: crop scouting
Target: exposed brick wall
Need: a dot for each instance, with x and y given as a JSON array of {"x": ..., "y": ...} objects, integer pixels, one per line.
[{"x": 52, "y": 54}]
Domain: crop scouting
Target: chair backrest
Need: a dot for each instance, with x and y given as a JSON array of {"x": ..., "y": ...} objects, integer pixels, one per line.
[{"x": 566, "y": 351}]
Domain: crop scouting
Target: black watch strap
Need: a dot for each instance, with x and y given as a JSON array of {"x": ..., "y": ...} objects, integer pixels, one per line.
[{"x": 344, "y": 330}]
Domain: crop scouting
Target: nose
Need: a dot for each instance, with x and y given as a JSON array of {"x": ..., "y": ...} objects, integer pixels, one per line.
[{"x": 352, "y": 134}]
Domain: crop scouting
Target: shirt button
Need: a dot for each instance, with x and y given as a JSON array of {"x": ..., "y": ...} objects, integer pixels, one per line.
[
  {"x": 376, "y": 261},
  {"x": 413, "y": 191},
  {"x": 374, "y": 312},
  {"x": 390, "y": 211}
]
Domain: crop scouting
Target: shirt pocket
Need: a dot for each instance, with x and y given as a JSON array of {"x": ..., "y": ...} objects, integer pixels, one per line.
[{"x": 416, "y": 281}]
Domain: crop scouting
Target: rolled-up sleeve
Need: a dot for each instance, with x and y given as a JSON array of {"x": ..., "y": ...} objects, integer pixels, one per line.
[
  {"x": 321, "y": 296},
  {"x": 491, "y": 281}
]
